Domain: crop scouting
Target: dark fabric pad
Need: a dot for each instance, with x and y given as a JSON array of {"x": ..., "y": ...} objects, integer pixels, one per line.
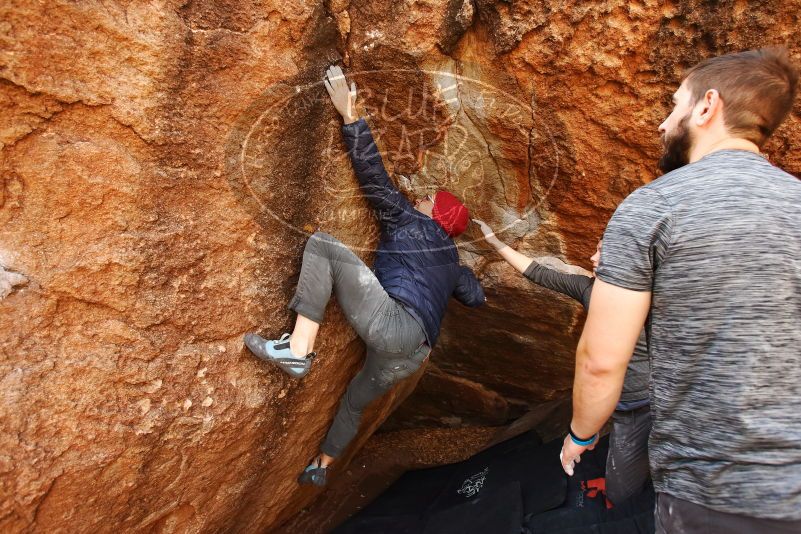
[
  {"x": 517, "y": 482},
  {"x": 389, "y": 524},
  {"x": 522, "y": 459},
  {"x": 498, "y": 512},
  {"x": 425, "y": 493}
]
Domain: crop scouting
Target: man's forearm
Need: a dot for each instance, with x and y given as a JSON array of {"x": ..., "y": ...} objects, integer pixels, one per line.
[
  {"x": 596, "y": 391},
  {"x": 350, "y": 119},
  {"x": 610, "y": 334},
  {"x": 516, "y": 259}
]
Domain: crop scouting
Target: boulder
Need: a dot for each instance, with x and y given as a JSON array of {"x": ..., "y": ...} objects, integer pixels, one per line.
[{"x": 163, "y": 163}]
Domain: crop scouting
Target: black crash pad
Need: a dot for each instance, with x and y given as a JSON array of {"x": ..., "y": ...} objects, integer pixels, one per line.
[{"x": 517, "y": 486}]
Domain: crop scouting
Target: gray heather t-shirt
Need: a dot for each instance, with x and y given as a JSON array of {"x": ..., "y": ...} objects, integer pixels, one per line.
[
  {"x": 579, "y": 287},
  {"x": 718, "y": 243}
]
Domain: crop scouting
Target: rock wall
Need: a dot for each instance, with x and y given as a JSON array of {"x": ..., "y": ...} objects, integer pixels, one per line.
[{"x": 162, "y": 164}]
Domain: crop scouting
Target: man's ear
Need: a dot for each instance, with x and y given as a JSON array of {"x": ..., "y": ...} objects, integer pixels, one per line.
[{"x": 711, "y": 105}]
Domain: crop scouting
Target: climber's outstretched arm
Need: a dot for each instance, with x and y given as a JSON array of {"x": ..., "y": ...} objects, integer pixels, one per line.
[
  {"x": 572, "y": 285},
  {"x": 392, "y": 206}
]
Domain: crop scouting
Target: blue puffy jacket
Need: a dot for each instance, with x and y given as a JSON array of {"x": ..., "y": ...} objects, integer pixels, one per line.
[{"x": 417, "y": 262}]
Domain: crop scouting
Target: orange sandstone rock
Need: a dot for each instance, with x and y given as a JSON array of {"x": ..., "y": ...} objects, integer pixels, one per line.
[{"x": 162, "y": 164}]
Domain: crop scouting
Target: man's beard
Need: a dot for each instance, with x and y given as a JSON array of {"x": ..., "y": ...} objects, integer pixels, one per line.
[{"x": 676, "y": 152}]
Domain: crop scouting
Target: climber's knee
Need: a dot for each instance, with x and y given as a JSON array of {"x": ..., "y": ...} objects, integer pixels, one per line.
[
  {"x": 321, "y": 244},
  {"x": 321, "y": 235}
]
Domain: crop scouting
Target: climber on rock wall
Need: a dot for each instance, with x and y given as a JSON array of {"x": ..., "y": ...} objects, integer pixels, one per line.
[
  {"x": 397, "y": 307},
  {"x": 627, "y": 463},
  {"x": 708, "y": 253}
]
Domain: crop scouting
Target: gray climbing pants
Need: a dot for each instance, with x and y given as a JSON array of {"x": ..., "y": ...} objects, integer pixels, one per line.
[
  {"x": 627, "y": 463},
  {"x": 396, "y": 343}
]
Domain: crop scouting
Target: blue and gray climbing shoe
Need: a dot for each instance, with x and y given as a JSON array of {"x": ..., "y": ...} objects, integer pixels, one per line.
[
  {"x": 314, "y": 474},
  {"x": 277, "y": 352}
]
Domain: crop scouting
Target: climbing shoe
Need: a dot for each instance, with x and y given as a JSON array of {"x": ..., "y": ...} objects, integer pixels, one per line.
[
  {"x": 277, "y": 351},
  {"x": 314, "y": 474}
]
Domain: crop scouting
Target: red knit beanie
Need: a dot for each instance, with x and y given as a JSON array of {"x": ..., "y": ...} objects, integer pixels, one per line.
[{"x": 451, "y": 214}]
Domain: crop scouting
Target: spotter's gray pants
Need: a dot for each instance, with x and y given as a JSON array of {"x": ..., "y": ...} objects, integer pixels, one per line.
[
  {"x": 677, "y": 516},
  {"x": 627, "y": 463},
  {"x": 395, "y": 341}
]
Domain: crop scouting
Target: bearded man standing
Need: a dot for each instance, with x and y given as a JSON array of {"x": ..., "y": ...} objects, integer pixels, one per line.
[{"x": 710, "y": 253}]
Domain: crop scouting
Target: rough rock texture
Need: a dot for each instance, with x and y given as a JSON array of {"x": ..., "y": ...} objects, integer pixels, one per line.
[{"x": 163, "y": 162}]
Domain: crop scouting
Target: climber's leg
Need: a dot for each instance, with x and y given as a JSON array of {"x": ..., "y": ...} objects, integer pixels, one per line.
[
  {"x": 303, "y": 336},
  {"x": 364, "y": 388},
  {"x": 402, "y": 335},
  {"x": 403, "y": 352},
  {"x": 329, "y": 264}
]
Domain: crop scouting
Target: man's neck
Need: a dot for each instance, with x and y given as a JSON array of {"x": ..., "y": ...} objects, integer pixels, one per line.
[{"x": 702, "y": 149}]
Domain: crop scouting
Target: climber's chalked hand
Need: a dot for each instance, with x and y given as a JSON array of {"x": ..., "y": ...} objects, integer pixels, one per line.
[{"x": 343, "y": 98}]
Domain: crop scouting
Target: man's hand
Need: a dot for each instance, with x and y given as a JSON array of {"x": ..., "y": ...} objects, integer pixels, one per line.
[
  {"x": 516, "y": 259},
  {"x": 571, "y": 454},
  {"x": 489, "y": 235},
  {"x": 485, "y": 228},
  {"x": 344, "y": 99}
]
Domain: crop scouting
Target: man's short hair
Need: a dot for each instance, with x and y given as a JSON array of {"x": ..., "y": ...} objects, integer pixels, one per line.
[{"x": 757, "y": 88}]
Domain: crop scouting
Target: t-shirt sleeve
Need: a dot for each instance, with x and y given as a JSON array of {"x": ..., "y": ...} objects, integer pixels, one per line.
[{"x": 636, "y": 240}]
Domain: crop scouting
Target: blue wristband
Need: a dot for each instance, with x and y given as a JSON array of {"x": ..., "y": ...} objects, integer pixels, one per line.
[{"x": 582, "y": 442}]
